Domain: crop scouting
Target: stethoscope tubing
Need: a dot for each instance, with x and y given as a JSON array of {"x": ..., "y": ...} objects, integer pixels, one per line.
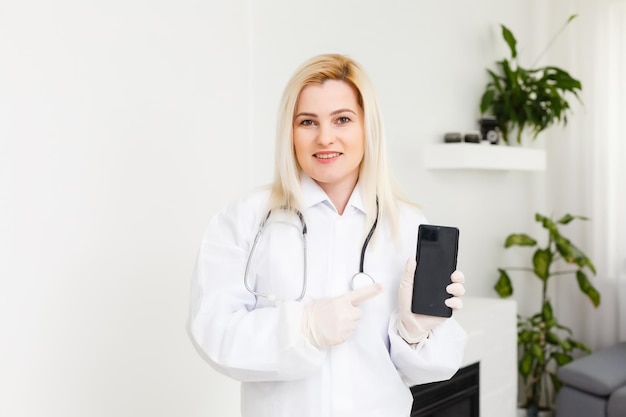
[
  {"x": 358, "y": 279},
  {"x": 272, "y": 297}
]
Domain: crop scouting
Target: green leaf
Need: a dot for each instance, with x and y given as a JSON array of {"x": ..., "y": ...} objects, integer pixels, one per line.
[
  {"x": 590, "y": 265},
  {"x": 537, "y": 352},
  {"x": 566, "y": 345},
  {"x": 510, "y": 40},
  {"x": 537, "y": 319},
  {"x": 556, "y": 382},
  {"x": 496, "y": 82},
  {"x": 526, "y": 364},
  {"x": 519, "y": 239},
  {"x": 547, "y": 223},
  {"x": 553, "y": 338},
  {"x": 562, "y": 358},
  {"x": 486, "y": 100},
  {"x": 566, "y": 219},
  {"x": 542, "y": 259},
  {"x": 525, "y": 336},
  {"x": 546, "y": 311},
  {"x": 564, "y": 328},
  {"x": 588, "y": 289},
  {"x": 504, "y": 287},
  {"x": 565, "y": 248},
  {"x": 572, "y": 254},
  {"x": 579, "y": 345}
]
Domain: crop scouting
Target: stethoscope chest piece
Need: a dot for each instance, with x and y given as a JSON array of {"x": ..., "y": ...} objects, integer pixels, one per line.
[{"x": 360, "y": 280}]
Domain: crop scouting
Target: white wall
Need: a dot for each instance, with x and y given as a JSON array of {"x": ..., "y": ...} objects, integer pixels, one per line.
[{"x": 124, "y": 125}]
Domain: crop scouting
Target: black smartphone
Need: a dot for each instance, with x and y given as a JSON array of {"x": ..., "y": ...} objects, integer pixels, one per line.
[{"x": 436, "y": 255}]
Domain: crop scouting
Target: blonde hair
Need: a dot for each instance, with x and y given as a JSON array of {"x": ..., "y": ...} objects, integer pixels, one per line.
[{"x": 375, "y": 178}]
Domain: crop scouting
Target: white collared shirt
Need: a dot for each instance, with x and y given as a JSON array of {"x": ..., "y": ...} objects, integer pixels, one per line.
[{"x": 252, "y": 340}]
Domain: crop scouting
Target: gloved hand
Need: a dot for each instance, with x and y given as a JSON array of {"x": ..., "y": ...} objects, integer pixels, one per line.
[
  {"x": 414, "y": 328},
  {"x": 330, "y": 321}
]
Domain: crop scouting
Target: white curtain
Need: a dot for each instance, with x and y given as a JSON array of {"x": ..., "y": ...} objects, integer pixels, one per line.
[{"x": 587, "y": 161}]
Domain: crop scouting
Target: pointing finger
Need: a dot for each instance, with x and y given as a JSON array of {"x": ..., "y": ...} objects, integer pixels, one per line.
[
  {"x": 409, "y": 268},
  {"x": 407, "y": 275},
  {"x": 359, "y": 295}
]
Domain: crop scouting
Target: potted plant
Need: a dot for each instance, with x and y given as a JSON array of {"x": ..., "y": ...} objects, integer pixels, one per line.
[
  {"x": 527, "y": 98},
  {"x": 544, "y": 343}
]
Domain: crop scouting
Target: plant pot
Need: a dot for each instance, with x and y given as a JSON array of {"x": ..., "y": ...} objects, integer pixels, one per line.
[
  {"x": 526, "y": 138},
  {"x": 524, "y": 412}
]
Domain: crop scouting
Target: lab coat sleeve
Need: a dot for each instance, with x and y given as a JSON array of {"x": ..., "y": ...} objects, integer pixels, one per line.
[
  {"x": 437, "y": 358},
  {"x": 247, "y": 344}
]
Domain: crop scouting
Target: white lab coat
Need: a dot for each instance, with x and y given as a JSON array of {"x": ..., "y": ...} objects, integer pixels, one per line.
[{"x": 262, "y": 345}]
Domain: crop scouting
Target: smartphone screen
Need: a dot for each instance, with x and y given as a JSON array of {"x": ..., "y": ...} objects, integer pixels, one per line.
[{"x": 436, "y": 255}]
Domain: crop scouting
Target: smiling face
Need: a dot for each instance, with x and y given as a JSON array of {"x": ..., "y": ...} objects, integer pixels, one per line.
[{"x": 329, "y": 137}]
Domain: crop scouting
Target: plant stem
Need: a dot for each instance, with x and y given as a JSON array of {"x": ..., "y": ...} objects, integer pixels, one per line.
[
  {"x": 518, "y": 268},
  {"x": 572, "y": 17},
  {"x": 563, "y": 272}
]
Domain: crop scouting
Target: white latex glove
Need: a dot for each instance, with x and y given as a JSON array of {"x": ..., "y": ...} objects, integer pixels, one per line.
[
  {"x": 330, "y": 321},
  {"x": 414, "y": 328}
]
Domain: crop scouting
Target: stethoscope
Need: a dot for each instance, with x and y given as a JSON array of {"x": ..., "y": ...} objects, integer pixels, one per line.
[{"x": 360, "y": 279}]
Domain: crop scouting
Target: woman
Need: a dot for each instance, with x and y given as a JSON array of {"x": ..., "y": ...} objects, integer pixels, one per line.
[{"x": 301, "y": 338}]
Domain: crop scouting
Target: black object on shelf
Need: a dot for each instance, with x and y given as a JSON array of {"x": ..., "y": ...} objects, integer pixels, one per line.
[
  {"x": 452, "y": 137},
  {"x": 489, "y": 129},
  {"x": 472, "y": 137}
]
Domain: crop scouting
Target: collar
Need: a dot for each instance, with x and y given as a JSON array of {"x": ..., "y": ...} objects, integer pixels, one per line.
[{"x": 312, "y": 194}]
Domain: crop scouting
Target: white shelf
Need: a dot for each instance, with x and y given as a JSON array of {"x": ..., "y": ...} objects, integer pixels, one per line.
[{"x": 483, "y": 156}]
